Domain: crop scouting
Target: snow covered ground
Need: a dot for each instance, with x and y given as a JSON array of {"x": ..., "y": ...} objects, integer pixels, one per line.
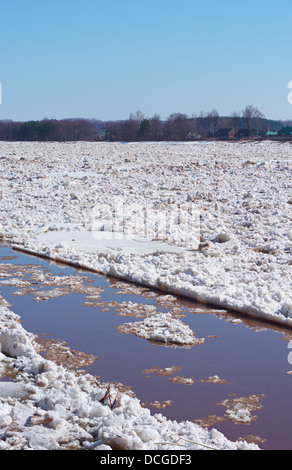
[
  {"x": 217, "y": 229},
  {"x": 58, "y": 198}
]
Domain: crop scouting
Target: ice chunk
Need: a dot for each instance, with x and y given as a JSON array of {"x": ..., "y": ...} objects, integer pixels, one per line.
[
  {"x": 14, "y": 390},
  {"x": 15, "y": 342}
]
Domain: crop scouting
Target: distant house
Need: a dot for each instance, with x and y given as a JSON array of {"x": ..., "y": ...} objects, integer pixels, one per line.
[
  {"x": 228, "y": 133},
  {"x": 271, "y": 133},
  {"x": 245, "y": 133},
  {"x": 285, "y": 131},
  {"x": 100, "y": 135},
  {"x": 242, "y": 133}
]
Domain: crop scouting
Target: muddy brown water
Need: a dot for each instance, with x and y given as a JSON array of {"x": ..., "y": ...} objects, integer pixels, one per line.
[{"x": 241, "y": 365}]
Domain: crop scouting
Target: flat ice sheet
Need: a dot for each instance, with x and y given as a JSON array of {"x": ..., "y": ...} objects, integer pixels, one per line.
[{"x": 93, "y": 242}]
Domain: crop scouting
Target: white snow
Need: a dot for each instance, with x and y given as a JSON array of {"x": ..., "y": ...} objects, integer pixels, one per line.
[
  {"x": 242, "y": 193},
  {"x": 162, "y": 327},
  {"x": 83, "y": 203},
  {"x": 87, "y": 242}
]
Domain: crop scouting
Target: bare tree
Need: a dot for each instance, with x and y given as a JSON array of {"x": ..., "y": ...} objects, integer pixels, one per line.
[
  {"x": 235, "y": 119},
  {"x": 156, "y": 127},
  {"x": 213, "y": 118},
  {"x": 132, "y": 125},
  {"x": 178, "y": 127},
  {"x": 252, "y": 117},
  {"x": 258, "y": 118},
  {"x": 137, "y": 116},
  {"x": 201, "y": 122}
]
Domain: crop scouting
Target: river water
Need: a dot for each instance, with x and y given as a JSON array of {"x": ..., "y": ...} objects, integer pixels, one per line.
[{"x": 236, "y": 381}]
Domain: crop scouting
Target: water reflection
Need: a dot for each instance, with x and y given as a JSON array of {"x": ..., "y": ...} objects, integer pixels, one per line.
[{"x": 237, "y": 380}]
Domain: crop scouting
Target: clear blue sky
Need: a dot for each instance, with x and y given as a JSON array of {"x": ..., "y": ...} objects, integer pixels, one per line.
[{"x": 105, "y": 59}]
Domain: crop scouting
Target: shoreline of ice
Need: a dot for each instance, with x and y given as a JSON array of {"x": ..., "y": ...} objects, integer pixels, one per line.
[{"x": 145, "y": 270}]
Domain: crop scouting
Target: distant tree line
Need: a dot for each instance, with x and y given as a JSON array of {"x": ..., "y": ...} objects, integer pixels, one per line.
[
  {"x": 177, "y": 127},
  {"x": 47, "y": 130}
]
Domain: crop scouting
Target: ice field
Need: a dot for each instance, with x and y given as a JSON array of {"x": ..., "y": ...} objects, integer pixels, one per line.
[{"x": 210, "y": 221}]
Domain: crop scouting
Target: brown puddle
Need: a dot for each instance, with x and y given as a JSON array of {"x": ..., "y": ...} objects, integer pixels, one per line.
[{"x": 237, "y": 380}]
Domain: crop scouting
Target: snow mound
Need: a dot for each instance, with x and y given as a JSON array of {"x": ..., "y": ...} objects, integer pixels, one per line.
[{"x": 162, "y": 328}]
